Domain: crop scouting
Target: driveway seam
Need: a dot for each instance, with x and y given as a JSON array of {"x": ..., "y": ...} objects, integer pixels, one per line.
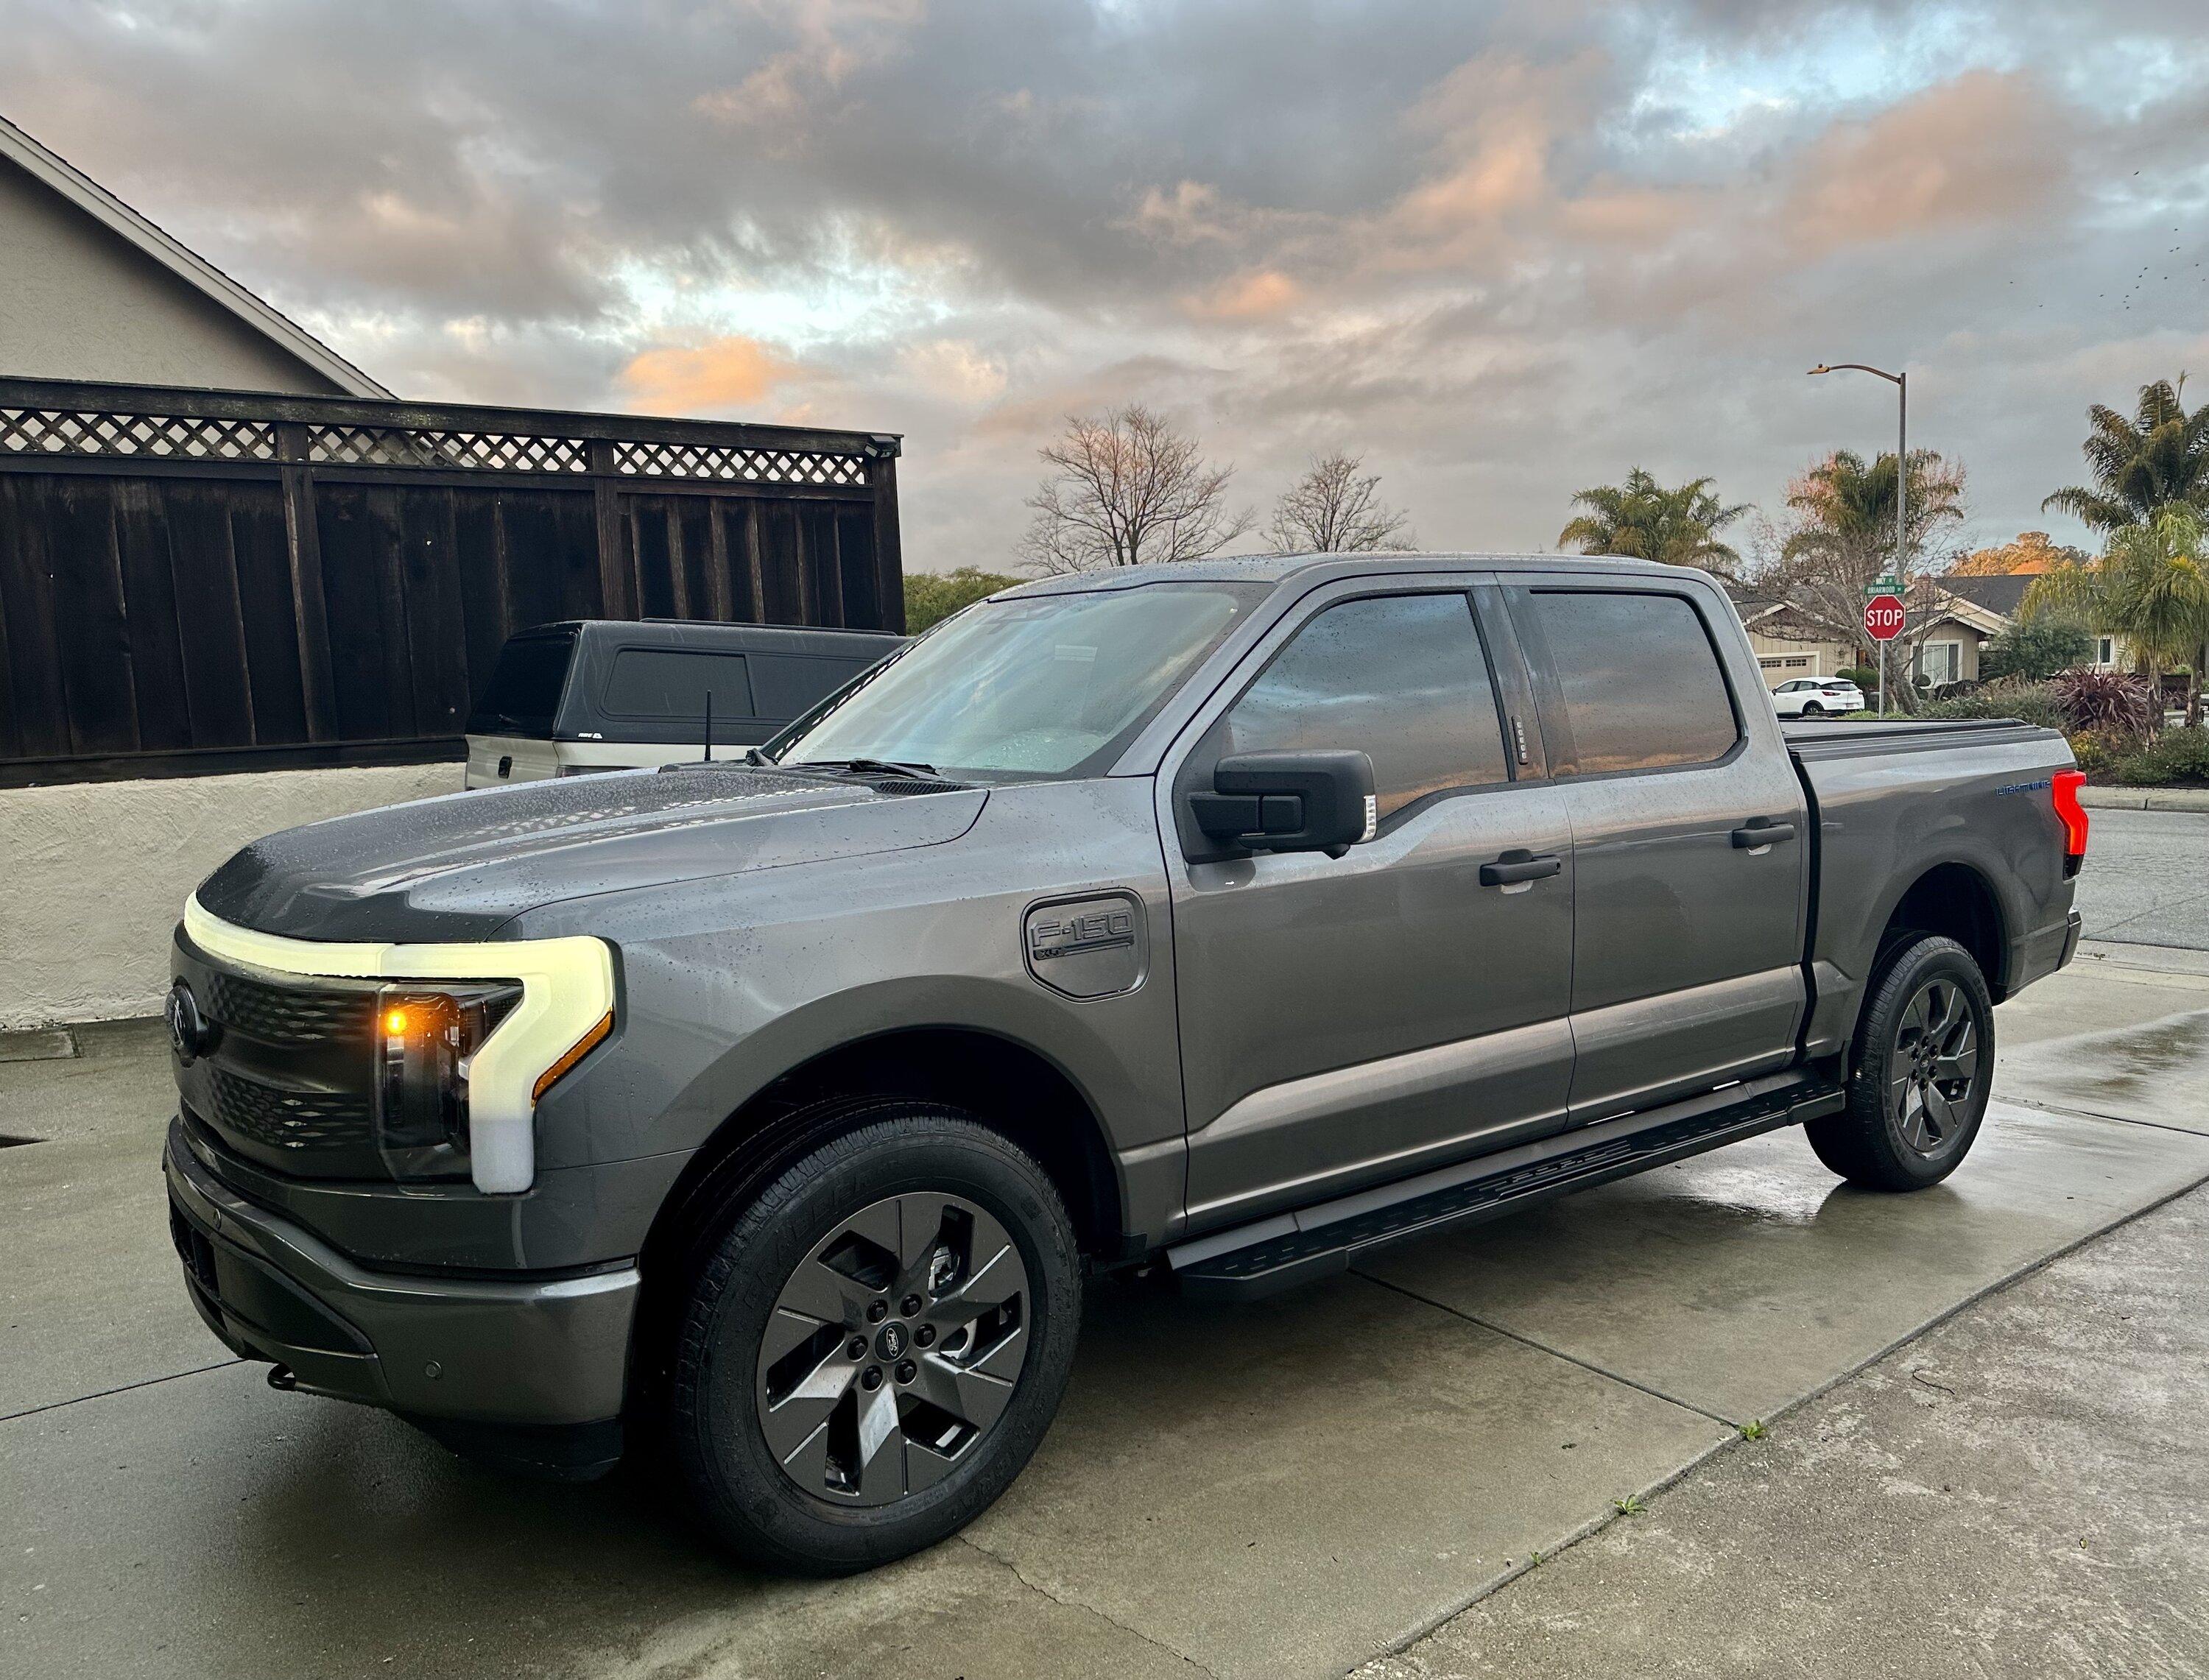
[
  {"x": 102, "y": 1394},
  {"x": 2071, "y": 1112},
  {"x": 1603, "y": 1520},
  {"x": 1110, "y": 1620},
  {"x": 1544, "y": 1348}
]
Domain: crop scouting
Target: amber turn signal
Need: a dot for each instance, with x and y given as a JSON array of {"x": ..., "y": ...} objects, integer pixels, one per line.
[{"x": 575, "y": 1052}]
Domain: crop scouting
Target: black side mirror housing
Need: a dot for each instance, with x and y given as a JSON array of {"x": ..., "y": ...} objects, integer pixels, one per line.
[{"x": 1289, "y": 802}]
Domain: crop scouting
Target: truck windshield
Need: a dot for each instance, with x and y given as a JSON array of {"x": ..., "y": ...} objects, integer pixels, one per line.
[{"x": 1052, "y": 685}]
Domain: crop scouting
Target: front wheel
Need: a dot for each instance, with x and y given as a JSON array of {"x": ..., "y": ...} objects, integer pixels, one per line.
[
  {"x": 876, "y": 1345},
  {"x": 1923, "y": 1070}
]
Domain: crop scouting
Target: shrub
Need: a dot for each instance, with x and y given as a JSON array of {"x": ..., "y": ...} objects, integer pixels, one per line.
[
  {"x": 2035, "y": 650},
  {"x": 2178, "y": 755},
  {"x": 1865, "y": 676},
  {"x": 2108, "y": 702},
  {"x": 2095, "y": 755},
  {"x": 2028, "y": 702}
]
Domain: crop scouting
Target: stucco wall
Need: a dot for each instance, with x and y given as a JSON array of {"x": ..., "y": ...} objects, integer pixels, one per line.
[
  {"x": 94, "y": 875},
  {"x": 78, "y": 302}
]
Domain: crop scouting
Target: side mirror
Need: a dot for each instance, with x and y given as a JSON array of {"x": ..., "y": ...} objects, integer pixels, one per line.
[{"x": 1289, "y": 802}]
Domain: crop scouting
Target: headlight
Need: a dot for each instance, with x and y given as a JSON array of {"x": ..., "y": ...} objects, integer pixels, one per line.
[{"x": 426, "y": 1041}]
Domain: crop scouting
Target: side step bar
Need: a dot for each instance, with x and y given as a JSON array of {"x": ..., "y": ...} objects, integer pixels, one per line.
[{"x": 1289, "y": 1248}]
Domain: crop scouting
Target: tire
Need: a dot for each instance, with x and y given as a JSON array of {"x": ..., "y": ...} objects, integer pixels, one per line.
[
  {"x": 936, "y": 1267},
  {"x": 1811, "y": 709},
  {"x": 1906, "y": 1126}
]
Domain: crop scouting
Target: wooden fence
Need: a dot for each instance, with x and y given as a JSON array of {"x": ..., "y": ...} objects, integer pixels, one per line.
[{"x": 194, "y": 582}]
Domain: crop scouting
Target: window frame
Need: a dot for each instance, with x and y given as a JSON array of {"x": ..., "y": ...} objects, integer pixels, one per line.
[
  {"x": 1511, "y": 694},
  {"x": 1559, "y": 744}
]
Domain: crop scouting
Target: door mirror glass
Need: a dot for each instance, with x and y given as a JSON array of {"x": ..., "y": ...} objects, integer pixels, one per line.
[{"x": 1289, "y": 802}]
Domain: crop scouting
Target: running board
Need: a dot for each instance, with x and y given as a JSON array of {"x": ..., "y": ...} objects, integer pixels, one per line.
[{"x": 1290, "y": 1249}]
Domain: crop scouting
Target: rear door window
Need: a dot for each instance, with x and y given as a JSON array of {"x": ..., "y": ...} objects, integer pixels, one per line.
[
  {"x": 673, "y": 682},
  {"x": 1401, "y": 678},
  {"x": 523, "y": 694},
  {"x": 1640, "y": 682}
]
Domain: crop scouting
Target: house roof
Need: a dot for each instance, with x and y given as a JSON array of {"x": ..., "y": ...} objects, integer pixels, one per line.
[
  {"x": 186, "y": 264},
  {"x": 2000, "y": 593}
]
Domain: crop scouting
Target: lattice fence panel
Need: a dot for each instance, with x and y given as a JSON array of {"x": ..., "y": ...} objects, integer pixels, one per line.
[
  {"x": 60, "y": 431},
  {"x": 474, "y": 451},
  {"x": 742, "y": 466}
]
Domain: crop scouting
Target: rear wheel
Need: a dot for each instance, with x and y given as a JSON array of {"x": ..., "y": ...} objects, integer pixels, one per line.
[
  {"x": 1922, "y": 1073},
  {"x": 876, "y": 1345},
  {"x": 1812, "y": 709}
]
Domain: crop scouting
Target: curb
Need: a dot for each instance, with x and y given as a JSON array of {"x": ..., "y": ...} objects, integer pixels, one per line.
[{"x": 2144, "y": 798}]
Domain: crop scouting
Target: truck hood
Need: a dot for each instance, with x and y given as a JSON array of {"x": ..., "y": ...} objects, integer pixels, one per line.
[{"x": 456, "y": 868}]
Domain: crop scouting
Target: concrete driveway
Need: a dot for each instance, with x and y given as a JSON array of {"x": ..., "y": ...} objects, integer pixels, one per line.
[{"x": 1288, "y": 1489}]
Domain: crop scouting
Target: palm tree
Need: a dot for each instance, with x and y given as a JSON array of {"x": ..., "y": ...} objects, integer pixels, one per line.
[
  {"x": 1642, "y": 518},
  {"x": 1844, "y": 539},
  {"x": 1847, "y": 507},
  {"x": 2158, "y": 459},
  {"x": 2151, "y": 587}
]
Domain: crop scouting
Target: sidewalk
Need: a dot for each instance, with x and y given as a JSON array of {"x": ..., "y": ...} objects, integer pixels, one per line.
[{"x": 2144, "y": 798}]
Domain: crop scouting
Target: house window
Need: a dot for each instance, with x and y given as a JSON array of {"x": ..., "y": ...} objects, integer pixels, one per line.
[
  {"x": 1940, "y": 661},
  {"x": 2105, "y": 651}
]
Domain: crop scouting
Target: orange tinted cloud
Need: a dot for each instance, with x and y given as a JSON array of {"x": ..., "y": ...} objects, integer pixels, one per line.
[
  {"x": 1981, "y": 148},
  {"x": 721, "y": 373},
  {"x": 1255, "y": 297}
]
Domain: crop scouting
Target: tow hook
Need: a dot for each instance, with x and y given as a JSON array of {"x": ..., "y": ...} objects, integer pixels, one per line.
[{"x": 281, "y": 1379}]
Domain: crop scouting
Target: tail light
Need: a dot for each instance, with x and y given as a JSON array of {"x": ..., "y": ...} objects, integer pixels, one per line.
[{"x": 2073, "y": 816}]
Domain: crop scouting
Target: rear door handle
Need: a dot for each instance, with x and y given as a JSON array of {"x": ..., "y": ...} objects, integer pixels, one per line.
[
  {"x": 1759, "y": 831},
  {"x": 1513, "y": 867}
]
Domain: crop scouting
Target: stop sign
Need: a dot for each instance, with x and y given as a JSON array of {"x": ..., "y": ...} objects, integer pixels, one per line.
[{"x": 1883, "y": 618}]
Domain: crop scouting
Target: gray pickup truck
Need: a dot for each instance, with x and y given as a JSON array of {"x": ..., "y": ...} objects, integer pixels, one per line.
[{"x": 1225, "y": 921}]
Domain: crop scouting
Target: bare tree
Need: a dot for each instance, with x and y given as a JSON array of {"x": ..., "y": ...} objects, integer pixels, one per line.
[
  {"x": 1335, "y": 509},
  {"x": 1127, "y": 490}
]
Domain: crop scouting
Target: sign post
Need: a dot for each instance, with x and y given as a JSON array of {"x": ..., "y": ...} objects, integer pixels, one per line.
[{"x": 1882, "y": 619}]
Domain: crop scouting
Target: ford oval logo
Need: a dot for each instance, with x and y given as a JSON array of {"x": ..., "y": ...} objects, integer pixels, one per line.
[{"x": 190, "y": 1033}]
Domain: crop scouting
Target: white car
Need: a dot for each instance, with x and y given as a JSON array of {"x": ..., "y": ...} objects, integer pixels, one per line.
[{"x": 1817, "y": 697}]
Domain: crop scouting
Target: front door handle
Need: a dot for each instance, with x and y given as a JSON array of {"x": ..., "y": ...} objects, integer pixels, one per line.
[
  {"x": 1514, "y": 867},
  {"x": 1761, "y": 831}
]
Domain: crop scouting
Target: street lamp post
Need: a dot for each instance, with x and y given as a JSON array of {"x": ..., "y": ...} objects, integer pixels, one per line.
[{"x": 1901, "y": 383}]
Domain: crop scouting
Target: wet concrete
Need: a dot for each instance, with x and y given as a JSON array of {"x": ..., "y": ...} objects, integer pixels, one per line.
[
  {"x": 2016, "y": 1493},
  {"x": 1284, "y": 1489},
  {"x": 1741, "y": 1280}
]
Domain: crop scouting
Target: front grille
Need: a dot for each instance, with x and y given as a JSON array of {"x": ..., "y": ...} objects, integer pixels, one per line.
[
  {"x": 289, "y": 1015},
  {"x": 293, "y": 1121}
]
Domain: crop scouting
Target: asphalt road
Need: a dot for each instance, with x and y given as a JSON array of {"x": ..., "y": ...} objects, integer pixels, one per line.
[{"x": 2146, "y": 878}]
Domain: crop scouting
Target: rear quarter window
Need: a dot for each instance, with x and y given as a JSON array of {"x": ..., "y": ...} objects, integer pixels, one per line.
[{"x": 1640, "y": 680}]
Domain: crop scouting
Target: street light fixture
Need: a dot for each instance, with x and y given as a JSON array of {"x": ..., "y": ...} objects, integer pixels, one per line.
[{"x": 1901, "y": 383}]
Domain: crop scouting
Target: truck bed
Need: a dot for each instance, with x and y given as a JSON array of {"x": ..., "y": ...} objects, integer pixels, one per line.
[{"x": 1960, "y": 811}]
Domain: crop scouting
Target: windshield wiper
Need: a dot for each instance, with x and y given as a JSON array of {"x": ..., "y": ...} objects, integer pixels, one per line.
[{"x": 869, "y": 767}]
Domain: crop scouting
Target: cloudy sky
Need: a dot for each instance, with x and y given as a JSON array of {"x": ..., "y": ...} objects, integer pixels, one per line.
[{"x": 1502, "y": 249}]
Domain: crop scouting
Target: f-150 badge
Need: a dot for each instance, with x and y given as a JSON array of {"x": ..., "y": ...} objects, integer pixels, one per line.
[{"x": 1087, "y": 947}]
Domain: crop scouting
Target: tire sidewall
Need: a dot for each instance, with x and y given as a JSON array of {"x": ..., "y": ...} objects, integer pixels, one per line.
[
  {"x": 1909, "y": 969},
  {"x": 740, "y": 1491}
]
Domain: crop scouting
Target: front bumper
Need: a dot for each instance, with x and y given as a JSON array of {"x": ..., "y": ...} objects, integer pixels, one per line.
[{"x": 462, "y": 1356}]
